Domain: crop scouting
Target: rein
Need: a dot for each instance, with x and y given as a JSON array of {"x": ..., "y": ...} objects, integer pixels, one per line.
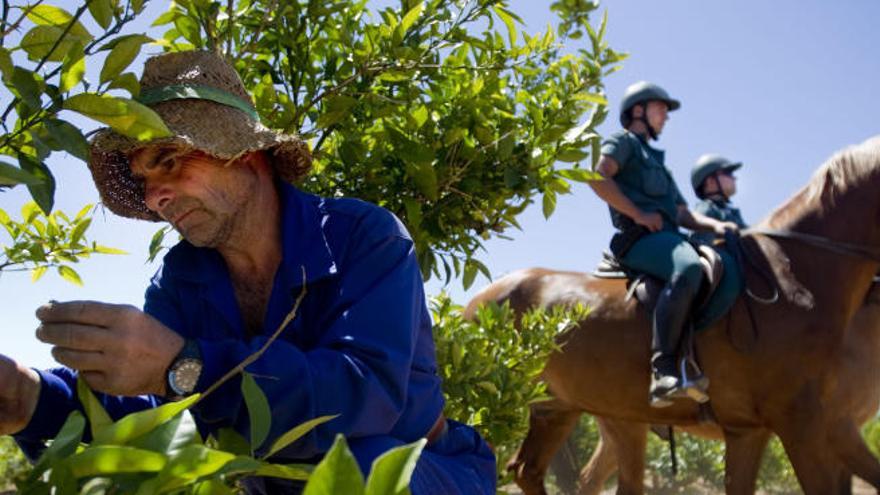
[{"x": 838, "y": 247}]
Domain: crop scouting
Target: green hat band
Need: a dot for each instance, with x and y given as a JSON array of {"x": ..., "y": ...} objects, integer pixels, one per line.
[{"x": 193, "y": 91}]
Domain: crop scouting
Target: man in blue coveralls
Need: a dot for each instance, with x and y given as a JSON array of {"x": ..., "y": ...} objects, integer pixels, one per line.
[{"x": 360, "y": 345}]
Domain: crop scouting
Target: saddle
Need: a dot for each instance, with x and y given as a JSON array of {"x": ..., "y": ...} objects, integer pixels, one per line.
[{"x": 647, "y": 289}]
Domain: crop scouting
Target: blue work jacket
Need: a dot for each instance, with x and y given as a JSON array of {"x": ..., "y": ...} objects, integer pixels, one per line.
[{"x": 360, "y": 346}]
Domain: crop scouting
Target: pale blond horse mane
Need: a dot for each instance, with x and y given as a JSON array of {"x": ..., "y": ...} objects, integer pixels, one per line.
[{"x": 846, "y": 168}]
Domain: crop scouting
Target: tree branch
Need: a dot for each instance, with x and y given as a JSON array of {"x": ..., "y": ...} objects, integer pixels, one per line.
[{"x": 253, "y": 357}]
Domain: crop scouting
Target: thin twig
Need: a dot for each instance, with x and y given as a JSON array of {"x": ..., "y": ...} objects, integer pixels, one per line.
[
  {"x": 253, "y": 357},
  {"x": 15, "y": 25}
]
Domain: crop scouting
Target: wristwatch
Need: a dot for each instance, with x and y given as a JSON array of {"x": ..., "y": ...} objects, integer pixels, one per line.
[{"x": 184, "y": 372}]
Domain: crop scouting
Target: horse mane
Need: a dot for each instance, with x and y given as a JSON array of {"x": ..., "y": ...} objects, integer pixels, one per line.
[{"x": 845, "y": 169}]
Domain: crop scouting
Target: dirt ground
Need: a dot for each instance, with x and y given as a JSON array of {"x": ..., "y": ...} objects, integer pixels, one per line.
[{"x": 859, "y": 488}]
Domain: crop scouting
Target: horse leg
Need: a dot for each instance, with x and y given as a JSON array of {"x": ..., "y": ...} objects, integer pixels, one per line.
[
  {"x": 548, "y": 428},
  {"x": 856, "y": 456},
  {"x": 622, "y": 445},
  {"x": 817, "y": 467},
  {"x": 742, "y": 459},
  {"x": 602, "y": 464}
]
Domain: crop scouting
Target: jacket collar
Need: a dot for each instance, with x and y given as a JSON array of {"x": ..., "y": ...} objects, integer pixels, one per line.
[{"x": 303, "y": 240}]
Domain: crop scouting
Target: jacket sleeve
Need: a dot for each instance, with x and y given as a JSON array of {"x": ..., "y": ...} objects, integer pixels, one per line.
[{"x": 359, "y": 368}]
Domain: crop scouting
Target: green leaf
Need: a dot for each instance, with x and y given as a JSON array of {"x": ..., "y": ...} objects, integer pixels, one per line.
[
  {"x": 38, "y": 42},
  {"x": 121, "y": 56},
  {"x": 95, "y": 412},
  {"x": 258, "y": 410},
  {"x": 125, "y": 116},
  {"x": 63, "y": 445},
  {"x": 48, "y": 15},
  {"x": 156, "y": 243},
  {"x": 408, "y": 19},
  {"x": 11, "y": 175},
  {"x": 73, "y": 68},
  {"x": 44, "y": 191},
  {"x": 38, "y": 272},
  {"x": 189, "y": 464},
  {"x": 230, "y": 440},
  {"x": 136, "y": 424},
  {"x": 571, "y": 155},
  {"x": 549, "y": 203},
  {"x": 69, "y": 274},
  {"x": 299, "y": 472},
  {"x": 391, "y": 472},
  {"x": 137, "y": 6},
  {"x": 580, "y": 174},
  {"x": 83, "y": 212},
  {"x": 424, "y": 176},
  {"x": 338, "y": 472},
  {"x": 470, "y": 273},
  {"x": 171, "y": 436},
  {"x": 27, "y": 86},
  {"x": 102, "y": 12},
  {"x": 108, "y": 250},
  {"x": 128, "y": 82},
  {"x": 296, "y": 433},
  {"x": 505, "y": 17},
  {"x": 113, "y": 460},
  {"x": 62, "y": 480},
  {"x": 69, "y": 137},
  {"x": 5, "y": 64},
  {"x": 212, "y": 487}
]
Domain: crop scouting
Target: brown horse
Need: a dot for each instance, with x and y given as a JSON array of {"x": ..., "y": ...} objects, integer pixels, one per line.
[
  {"x": 858, "y": 387},
  {"x": 778, "y": 376}
]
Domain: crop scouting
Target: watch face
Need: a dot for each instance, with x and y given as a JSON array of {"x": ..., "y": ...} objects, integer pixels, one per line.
[{"x": 184, "y": 375}]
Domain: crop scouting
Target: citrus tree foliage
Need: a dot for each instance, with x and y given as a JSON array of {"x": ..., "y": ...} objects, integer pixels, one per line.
[
  {"x": 491, "y": 366},
  {"x": 44, "y": 53},
  {"x": 13, "y": 465},
  {"x": 444, "y": 112},
  {"x": 39, "y": 242},
  {"x": 44, "y": 70},
  {"x": 160, "y": 451}
]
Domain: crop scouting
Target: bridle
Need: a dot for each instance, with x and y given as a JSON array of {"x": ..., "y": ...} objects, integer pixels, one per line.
[{"x": 844, "y": 248}]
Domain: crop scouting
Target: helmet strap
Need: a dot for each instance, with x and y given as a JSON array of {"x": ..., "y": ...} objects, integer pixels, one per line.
[{"x": 644, "y": 119}]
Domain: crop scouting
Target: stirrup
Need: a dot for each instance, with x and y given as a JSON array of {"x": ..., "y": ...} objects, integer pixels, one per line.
[{"x": 694, "y": 388}]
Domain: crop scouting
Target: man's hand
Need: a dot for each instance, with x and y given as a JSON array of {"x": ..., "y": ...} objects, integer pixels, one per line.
[
  {"x": 721, "y": 227},
  {"x": 19, "y": 392},
  {"x": 118, "y": 349},
  {"x": 650, "y": 220}
]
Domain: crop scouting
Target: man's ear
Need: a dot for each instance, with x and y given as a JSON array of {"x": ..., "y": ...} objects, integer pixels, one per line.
[
  {"x": 258, "y": 161},
  {"x": 638, "y": 111}
]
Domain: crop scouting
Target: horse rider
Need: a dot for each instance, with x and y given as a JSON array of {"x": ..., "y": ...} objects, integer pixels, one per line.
[
  {"x": 714, "y": 183},
  {"x": 647, "y": 210}
]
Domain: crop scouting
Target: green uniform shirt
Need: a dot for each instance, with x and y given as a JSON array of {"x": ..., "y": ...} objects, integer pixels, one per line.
[
  {"x": 643, "y": 178},
  {"x": 719, "y": 209}
]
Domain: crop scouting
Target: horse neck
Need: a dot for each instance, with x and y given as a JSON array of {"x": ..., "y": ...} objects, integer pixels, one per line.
[{"x": 845, "y": 213}]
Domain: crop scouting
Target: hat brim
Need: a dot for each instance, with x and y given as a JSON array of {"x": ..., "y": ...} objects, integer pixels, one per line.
[
  {"x": 673, "y": 104},
  {"x": 219, "y": 130},
  {"x": 732, "y": 167}
]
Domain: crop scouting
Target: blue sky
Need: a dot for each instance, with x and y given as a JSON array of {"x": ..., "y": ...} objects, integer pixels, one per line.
[{"x": 777, "y": 85}]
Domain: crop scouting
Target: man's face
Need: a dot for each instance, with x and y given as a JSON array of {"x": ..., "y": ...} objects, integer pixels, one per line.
[
  {"x": 197, "y": 193},
  {"x": 727, "y": 182},
  {"x": 657, "y": 113}
]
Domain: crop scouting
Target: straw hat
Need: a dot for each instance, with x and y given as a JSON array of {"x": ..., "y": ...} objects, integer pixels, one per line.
[{"x": 204, "y": 103}]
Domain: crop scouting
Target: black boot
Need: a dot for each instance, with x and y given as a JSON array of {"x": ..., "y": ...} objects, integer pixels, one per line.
[{"x": 670, "y": 316}]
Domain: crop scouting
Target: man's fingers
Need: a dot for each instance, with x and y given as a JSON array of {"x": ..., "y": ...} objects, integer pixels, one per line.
[
  {"x": 97, "y": 380},
  {"x": 88, "y": 312},
  {"x": 79, "y": 360},
  {"x": 74, "y": 336}
]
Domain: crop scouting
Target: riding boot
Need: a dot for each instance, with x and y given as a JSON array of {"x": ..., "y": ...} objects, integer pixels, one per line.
[{"x": 670, "y": 315}]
